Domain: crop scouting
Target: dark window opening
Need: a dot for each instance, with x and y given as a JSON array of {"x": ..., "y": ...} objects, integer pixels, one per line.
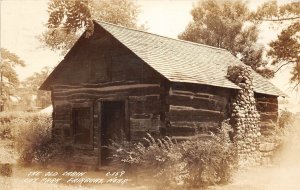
[{"x": 82, "y": 126}]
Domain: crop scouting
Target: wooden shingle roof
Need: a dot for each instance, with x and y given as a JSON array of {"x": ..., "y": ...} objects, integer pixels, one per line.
[{"x": 183, "y": 61}]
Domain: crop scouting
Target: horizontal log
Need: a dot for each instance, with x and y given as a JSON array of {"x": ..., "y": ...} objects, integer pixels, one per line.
[
  {"x": 87, "y": 98},
  {"x": 194, "y": 115},
  {"x": 267, "y": 128},
  {"x": 84, "y": 97},
  {"x": 78, "y": 96},
  {"x": 91, "y": 85},
  {"x": 269, "y": 116},
  {"x": 137, "y": 136},
  {"x": 195, "y": 102},
  {"x": 267, "y": 125},
  {"x": 184, "y": 138},
  {"x": 266, "y": 132},
  {"x": 189, "y": 93},
  {"x": 142, "y": 116},
  {"x": 147, "y": 107},
  {"x": 144, "y": 98},
  {"x": 267, "y": 100},
  {"x": 60, "y": 103},
  {"x": 144, "y": 124},
  {"x": 196, "y": 95},
  {"x": 197, "y": 125},
  {"x": 267, "y": 107},
  {"x": 109, "y": 89},
  {"x": 180, "y": 131}
]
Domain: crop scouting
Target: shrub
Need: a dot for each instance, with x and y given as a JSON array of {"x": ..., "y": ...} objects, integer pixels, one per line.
[
  {"x": 196, "y": 162},
  {"x": 287, "y": 133},
  {"x": 210, "y": 161},
  {"x": 151, "y": 159},
  {"x": 6, "y": 120},
  {"x": 31, "y": 133},
  {"x": 284, "y": 126},
  {"x": 284, "y": 134},
  {"x": 286, "y": 119}
]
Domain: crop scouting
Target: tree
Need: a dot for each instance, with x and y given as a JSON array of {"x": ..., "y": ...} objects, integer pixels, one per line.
[
  {"x": 285, "y": 50},
  {"x": 8, "y": 77},
  {"x": 69, "y": 18},
  {"x": 32, "y": 85},
  {"x": 271, "y": 11},
  {"x": 225, "y": 24}
]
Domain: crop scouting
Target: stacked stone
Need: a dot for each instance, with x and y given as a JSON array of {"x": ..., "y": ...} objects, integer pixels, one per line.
[{"x": 244, "y": 116}]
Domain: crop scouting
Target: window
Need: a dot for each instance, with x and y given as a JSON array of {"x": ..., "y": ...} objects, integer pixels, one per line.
[{"x": 82, "y": 125}]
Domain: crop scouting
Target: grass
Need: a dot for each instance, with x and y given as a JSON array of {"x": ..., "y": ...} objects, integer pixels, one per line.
[
  {"x": 16, "y": 182},
  {"x": 282, "y": 175}
]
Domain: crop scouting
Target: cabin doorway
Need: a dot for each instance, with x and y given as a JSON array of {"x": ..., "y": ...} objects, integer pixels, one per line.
[{"x": 112, "y": 126}]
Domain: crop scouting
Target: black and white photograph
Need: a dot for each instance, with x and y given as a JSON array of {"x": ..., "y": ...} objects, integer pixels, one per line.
[{"x": 150, "y": 94}]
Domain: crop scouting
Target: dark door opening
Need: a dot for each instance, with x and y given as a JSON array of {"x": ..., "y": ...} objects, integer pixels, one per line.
[{"x": 112, "y": 126}]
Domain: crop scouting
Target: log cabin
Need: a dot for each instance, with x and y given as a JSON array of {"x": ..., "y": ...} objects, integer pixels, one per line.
[{"x": 124, "y": 83}]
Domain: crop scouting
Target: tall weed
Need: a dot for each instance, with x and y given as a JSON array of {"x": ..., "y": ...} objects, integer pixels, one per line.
[
  {"x": 196, "y": 162},
  {"x": 31, "y": 134}
]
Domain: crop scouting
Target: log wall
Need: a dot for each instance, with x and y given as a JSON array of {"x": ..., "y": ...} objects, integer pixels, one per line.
[
  {"x": 142, "y": 106},
  {"x": 267, "y": 106},
  {"x": 195, "y": 109}
]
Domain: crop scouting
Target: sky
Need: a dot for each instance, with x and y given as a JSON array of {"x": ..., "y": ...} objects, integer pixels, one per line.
[{"x": 23, "y": 20}]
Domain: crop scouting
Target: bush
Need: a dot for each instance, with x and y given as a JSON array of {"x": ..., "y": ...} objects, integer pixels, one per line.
[
  {"x": 287, "y": 132},
  {"x": 286, "y": 119},
  {"x": 196, "y": 162},
  {"x": 31, "y": 133},
  {"x": 210, "y": 161},
  {"x": 284, "y": 126},
  {"x": 6, "y": 120},
  {"x": 284, "y": 133},
  {"x": 153, "y": 158}
]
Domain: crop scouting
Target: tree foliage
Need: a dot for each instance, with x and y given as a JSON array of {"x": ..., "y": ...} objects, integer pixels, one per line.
[
  {"x": 69, "y": 18},
  {"x": 285, "y": 50},
  {"x": 120, "y": 12},
  {"x": 10, "y": 80},
  {"x": 32, "y": 85},
  {"x": 271, "y": 11},
  {"x": 225, "y": 24}
]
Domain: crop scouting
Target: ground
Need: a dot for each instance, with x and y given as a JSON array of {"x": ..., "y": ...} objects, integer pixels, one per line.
[{"x": 283, "y": 174}]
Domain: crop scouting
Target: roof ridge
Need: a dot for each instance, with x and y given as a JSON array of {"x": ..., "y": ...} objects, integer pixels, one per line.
[{"x": 175, "y": 39}]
